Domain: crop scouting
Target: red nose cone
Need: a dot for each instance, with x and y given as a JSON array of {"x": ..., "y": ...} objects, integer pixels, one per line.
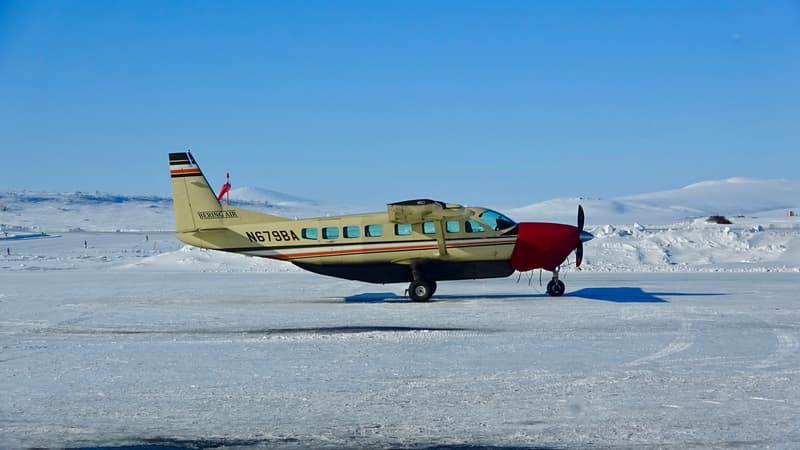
[{"x": 543, "y": 245}]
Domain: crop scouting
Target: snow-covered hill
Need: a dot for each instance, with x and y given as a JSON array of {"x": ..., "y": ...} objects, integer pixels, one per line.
[
  {"x": 75, "y": 211},
  {"x": 730, "y": 197},
  {"x": 662, "y": 231},
  {"x": 103, "y": 212},
  {"x": 268, "y": 197}
]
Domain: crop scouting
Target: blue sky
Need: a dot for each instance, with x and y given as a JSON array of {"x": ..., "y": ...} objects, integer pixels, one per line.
[{"x": 491, "y": 103}]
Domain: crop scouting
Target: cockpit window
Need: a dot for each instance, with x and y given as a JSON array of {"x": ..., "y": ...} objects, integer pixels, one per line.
[
  {"x": 473, "y": 226},
  {"x": 495, "y": 220}
]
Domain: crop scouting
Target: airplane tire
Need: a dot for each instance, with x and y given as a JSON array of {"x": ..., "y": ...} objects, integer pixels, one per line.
[
  {"x": 556, "y": 288},
  {"x": 421, "y": 291}
]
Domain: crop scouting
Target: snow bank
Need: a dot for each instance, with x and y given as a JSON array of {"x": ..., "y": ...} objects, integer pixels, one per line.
[
  {"x": 193, "y": 259},
  {"x": 748, "y": 245}
]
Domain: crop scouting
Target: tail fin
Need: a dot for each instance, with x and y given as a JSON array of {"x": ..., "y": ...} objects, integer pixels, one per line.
[
  {"x": 192, "y": 196},
  {"x": 196, "y": 206}
]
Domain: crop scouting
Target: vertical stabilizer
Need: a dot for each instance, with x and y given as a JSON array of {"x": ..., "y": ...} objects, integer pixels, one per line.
[{"x": 192, "y": 196}]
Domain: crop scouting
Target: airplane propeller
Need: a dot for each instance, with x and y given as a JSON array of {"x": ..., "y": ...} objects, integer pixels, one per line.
[{"x": 583, "y": 236}]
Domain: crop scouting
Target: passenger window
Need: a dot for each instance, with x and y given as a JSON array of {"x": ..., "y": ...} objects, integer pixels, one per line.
[
  {"x": 350, "y": 231},
  {"x": 373, "y": 231},
  {"x": 472, "y": 226},
  {"x": 330, "y": 233},
  {"x": 453, "y": 226},
  {"x": 429, "y": 227},
  {"x": 309, "y": 233},
  {"x": 402, "y": 229}
]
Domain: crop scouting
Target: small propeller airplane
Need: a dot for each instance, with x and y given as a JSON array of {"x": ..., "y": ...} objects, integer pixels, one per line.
[{"x": 416, "y": 241}]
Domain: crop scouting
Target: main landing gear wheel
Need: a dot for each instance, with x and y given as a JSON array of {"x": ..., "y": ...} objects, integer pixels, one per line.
[
  {"x": 421, "y": 290},
  {"x": 555, "y": 288}
]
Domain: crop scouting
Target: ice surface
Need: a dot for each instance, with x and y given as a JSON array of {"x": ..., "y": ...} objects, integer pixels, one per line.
[{"x": 294, "y": 360}]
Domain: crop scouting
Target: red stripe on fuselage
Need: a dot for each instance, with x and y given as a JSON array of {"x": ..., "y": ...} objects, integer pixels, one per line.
[{"x": 375, "y": 248}]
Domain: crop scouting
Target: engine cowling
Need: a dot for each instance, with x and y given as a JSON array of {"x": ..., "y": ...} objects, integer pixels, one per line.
[{"x": 543, "y": 245}]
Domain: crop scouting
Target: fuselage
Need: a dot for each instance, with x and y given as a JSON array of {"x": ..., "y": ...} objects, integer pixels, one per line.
[{"x": 371, "y": 247}]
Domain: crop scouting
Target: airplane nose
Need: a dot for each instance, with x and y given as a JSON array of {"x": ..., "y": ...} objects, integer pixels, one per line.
[
  {"x": 542, "y": 245},
  {"x": 586, "y": 236}
]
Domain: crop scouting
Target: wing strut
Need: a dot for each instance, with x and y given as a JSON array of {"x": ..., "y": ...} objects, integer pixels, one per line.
[{"x": 440, "y": 237}]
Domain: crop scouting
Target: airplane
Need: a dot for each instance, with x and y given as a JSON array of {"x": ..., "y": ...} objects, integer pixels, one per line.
[{"x": 418, "y": 241}]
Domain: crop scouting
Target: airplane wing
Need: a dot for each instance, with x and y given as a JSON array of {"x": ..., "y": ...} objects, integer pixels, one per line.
[{"x": 424, "y": 210}]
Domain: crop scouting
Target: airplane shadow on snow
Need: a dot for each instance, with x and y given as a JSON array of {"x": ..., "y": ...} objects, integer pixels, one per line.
[
  {"x": 632, "y": 295},
  {"x": 606, "y": 294}
]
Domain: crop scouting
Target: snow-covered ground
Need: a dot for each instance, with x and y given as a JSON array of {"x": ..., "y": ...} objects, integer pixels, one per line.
[{"x": 677, "y": 333}]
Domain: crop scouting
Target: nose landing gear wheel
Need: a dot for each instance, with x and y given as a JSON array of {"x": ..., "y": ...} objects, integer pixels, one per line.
[
  {"x": 555, "y": 288},
  {"x": 421, "y": 291}
]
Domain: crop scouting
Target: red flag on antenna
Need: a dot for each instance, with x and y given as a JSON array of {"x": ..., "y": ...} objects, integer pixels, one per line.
[{"x": 225, "y": 189}]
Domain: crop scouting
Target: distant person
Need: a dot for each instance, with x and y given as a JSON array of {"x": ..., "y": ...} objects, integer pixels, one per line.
[
  {"x": 146, "y": 237},
  {"x": 8, "y": 251},
  {"x": 85, "y": 244}
]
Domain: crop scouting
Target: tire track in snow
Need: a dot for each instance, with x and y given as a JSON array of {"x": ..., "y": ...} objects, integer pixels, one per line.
[
  {"x": 681, "y": 343},
  {"x": 787, "y": 345}
]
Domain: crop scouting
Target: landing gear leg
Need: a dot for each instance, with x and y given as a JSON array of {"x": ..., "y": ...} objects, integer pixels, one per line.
[{"x": 556, "y": 287}]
